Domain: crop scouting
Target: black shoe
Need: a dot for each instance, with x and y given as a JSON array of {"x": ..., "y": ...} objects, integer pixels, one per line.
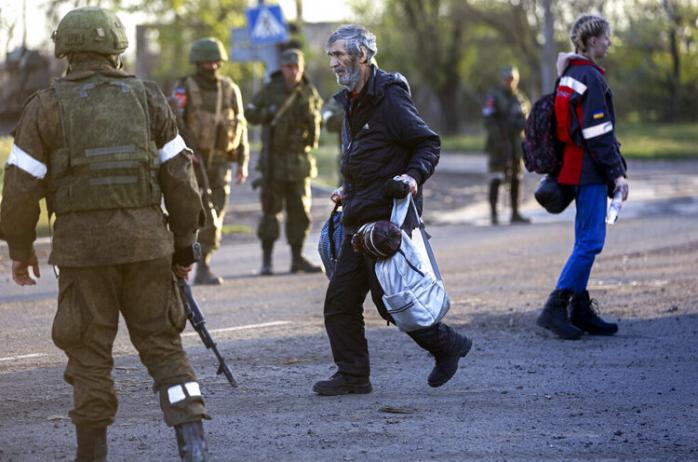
[
  {"x": 92, "y": 444},
  {"x": 555, "y": 318},
  {"x": 494, "y": 220},
  {"x": 340, "y": 384},
  {"x": 447, "y": 365},
  {"x": 191, "y": 442},
  {"x": 519, "y": 219},
  {"x": 301, "y": 265},
  {"x": 584, "y": 315},
  {"x": 266, "y": 270},
  {"x": 205, "y": 277}
]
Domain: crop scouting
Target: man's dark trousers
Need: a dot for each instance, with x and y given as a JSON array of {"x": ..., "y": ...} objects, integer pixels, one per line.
[{"x": 354, "y": 276}]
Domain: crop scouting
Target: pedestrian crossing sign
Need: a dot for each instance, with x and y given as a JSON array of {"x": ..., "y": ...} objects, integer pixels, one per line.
[{"x": 266, "y": 25}]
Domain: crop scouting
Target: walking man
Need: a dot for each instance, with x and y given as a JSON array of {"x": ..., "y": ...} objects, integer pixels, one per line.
[
  {"x": 211, "y": 119},
  {"x": 383, "y": 137},
  {"x": 102, "y": 146}
]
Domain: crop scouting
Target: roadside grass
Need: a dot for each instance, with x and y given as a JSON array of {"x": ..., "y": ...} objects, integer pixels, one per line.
[{"x": 638, "y": 141}]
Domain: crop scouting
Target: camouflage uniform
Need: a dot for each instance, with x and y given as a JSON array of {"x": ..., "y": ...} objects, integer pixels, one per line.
[
  {"x": 102, "y": 146},
  {"x": 505, "y": 115},
  {"x": 211, "y": 119},
  {"x": 289, "y": 165}
]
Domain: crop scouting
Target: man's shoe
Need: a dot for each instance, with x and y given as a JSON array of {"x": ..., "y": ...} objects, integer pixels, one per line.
[
  {"x": 584, "y": 315},
  {"x": 447, "y": 364},
  {"x": 519, "y": 219},
  {"x": 555, "y": 318},
  {"x": 340, "y": 384},
  {"x": 92, "y": 444},
  {"x": 205, "y": 277},
  {"x": 301, "y": 265},
  {"x": 266, "y": 270},
  {"x": 191, "y": 442}
]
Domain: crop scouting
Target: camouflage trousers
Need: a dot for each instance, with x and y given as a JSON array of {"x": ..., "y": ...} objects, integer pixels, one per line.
[
  {"x": 295, "y": 196},
  {"x": 145, "y": 293},
  {"x": 219, "y": 177}
]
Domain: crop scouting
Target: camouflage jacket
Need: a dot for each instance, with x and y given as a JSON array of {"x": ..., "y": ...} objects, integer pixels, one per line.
[
  {"x": 297, "y": 130},
  {"x": 98, "y": 237},
  {"x": 211, "y": 117},
  {"x": 505, "y": 114}
]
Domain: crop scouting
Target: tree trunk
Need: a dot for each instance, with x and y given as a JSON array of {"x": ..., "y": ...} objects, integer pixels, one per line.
[{"x": 548, "y": 64}]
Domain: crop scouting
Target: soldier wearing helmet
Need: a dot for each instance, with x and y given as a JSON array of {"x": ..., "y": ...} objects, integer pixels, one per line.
[
  {"x": 211, "y": 119},
  {"x": 288, "y": 108},
  {"x": 505, "y": 112},
  {"x": 102, "y": 146}
]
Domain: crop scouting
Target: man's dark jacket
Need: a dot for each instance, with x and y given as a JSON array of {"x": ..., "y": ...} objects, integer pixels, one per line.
[{"x": 383, "y": 136}]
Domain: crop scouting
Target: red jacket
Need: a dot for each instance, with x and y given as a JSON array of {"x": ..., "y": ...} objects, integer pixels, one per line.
[{"x": 586, "y": 125}]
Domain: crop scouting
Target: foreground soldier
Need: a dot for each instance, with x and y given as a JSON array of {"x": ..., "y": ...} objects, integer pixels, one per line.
[
  {"x": 211, "y": 119},
  {"x": 103, "y": 147},
  {"x": 289, "y": 108},
  {"x": 505, "y": 115},
  {"x": 383, "y": 137}
]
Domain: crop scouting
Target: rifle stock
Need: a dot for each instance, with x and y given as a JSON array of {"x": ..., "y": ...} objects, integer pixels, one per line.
[{"x": 198, "y": 322}]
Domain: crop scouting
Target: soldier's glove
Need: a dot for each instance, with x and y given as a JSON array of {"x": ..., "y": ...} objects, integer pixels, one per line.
[
  {"x": 396, "y": 189},
  {"x": 187, "y": 256}
]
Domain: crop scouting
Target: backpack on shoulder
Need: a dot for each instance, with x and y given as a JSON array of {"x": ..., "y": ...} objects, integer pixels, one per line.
[
  {"x": 542, "y": 151},
  {"x": 414, "y": 292}
]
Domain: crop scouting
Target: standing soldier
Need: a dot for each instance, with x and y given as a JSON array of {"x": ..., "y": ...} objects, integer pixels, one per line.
[
  {"x": 505, "y": 115},
  {"x": 102, "y": 146},
  {"x": 288, "y": 107},
  {"x": 211, "y": 118}
]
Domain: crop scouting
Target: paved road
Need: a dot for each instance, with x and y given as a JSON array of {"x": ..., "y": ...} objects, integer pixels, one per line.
[{"x": 521, "y": 395}]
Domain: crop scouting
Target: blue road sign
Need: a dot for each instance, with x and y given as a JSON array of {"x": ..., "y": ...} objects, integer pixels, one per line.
[{"x": 266, "y": 25}]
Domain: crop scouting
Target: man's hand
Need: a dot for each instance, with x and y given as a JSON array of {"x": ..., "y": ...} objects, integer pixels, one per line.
[
  {"x": 337, "y": 195},
  {"x": 622, "y": 186},
  {"x": 20, "y": 271},
  {"x": 241, "y": 174},
  {"x": 411, "y": 182},
  {"x": 182, "y": 272}
]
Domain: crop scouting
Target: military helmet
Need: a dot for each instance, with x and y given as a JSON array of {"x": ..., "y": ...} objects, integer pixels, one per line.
[
  {"x": 90, "y": 29},
  {"x": 207, "y": 49}
]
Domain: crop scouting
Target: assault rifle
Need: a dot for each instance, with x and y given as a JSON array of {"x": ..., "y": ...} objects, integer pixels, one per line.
[{"x": 198, "y": 322}]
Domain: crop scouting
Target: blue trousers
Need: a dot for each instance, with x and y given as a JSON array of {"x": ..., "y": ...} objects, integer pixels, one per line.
[{"x": 589, "y": 237}]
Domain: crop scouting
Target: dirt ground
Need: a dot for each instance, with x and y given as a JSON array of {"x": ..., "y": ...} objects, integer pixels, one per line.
[{"x": 520, "y": 395}]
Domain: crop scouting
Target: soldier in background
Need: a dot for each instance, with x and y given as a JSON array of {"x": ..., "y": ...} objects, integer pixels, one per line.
[
  {"x": 505, "y": 115},
  {"x": 211, "y": 119},
  {"x": 288, "y": 107},
  {"x": 102, "y": 146}
]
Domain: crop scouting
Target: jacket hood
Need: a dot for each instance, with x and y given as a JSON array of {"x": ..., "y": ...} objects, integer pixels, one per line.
[{"x": 563, "y": 60}]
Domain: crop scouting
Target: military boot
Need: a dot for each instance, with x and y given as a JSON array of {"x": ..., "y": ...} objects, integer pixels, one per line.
[
  {"x": 92, "y": 444},
  {"x": 447, "y": 346},
  {"x": 191, "y": 442},
  {"x": 516, "y": 217},
  {"x": 340, "y": 384},
  {"x": 267, "y": 250},
  {"x": 493, "y": 197},
  {"x": 299, "y": 264},
  {"x": 584, "y": 315},
  {"x": 555, "y": 318},
  {"x": 204, "y": 276}
]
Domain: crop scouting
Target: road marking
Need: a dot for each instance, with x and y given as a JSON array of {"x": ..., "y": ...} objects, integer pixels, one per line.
[
  {"x": 247, "y": 327},
  {"x": 15, "y": 358}
]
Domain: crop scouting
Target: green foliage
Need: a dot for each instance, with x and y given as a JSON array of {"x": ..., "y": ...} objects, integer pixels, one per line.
[{"x": 659, "y": 141}]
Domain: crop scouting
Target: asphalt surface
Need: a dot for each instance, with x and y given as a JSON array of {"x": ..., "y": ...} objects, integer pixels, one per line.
[{"x": 521, "y": 394}]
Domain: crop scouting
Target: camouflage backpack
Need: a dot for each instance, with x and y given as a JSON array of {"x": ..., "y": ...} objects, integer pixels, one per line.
[{"x": 542, "y": 151}]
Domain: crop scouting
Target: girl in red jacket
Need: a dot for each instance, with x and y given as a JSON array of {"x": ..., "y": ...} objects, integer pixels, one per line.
[{"x": 592, "y": 163}]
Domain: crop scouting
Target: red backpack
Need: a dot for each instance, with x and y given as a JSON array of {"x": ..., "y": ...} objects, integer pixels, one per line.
[{"x": 542, "y": 151}]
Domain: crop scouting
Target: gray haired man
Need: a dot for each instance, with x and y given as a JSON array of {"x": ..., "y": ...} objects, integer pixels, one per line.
[{"x": 383, "y": 136}]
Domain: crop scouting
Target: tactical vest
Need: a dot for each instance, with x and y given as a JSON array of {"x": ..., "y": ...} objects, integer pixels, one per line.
[
  {"x": 216, "y": 131},
  {"x": 109, "y": 160}
]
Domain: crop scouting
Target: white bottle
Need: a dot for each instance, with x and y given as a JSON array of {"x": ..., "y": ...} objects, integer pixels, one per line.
[{"x": 614, "y": 208}]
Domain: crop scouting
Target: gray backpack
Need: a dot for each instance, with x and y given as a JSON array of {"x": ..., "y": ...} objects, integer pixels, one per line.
[{"x": 414, "y": 291}]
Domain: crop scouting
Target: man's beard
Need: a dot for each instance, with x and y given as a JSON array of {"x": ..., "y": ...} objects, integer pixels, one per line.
[{"x": 350, "y": 76}]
